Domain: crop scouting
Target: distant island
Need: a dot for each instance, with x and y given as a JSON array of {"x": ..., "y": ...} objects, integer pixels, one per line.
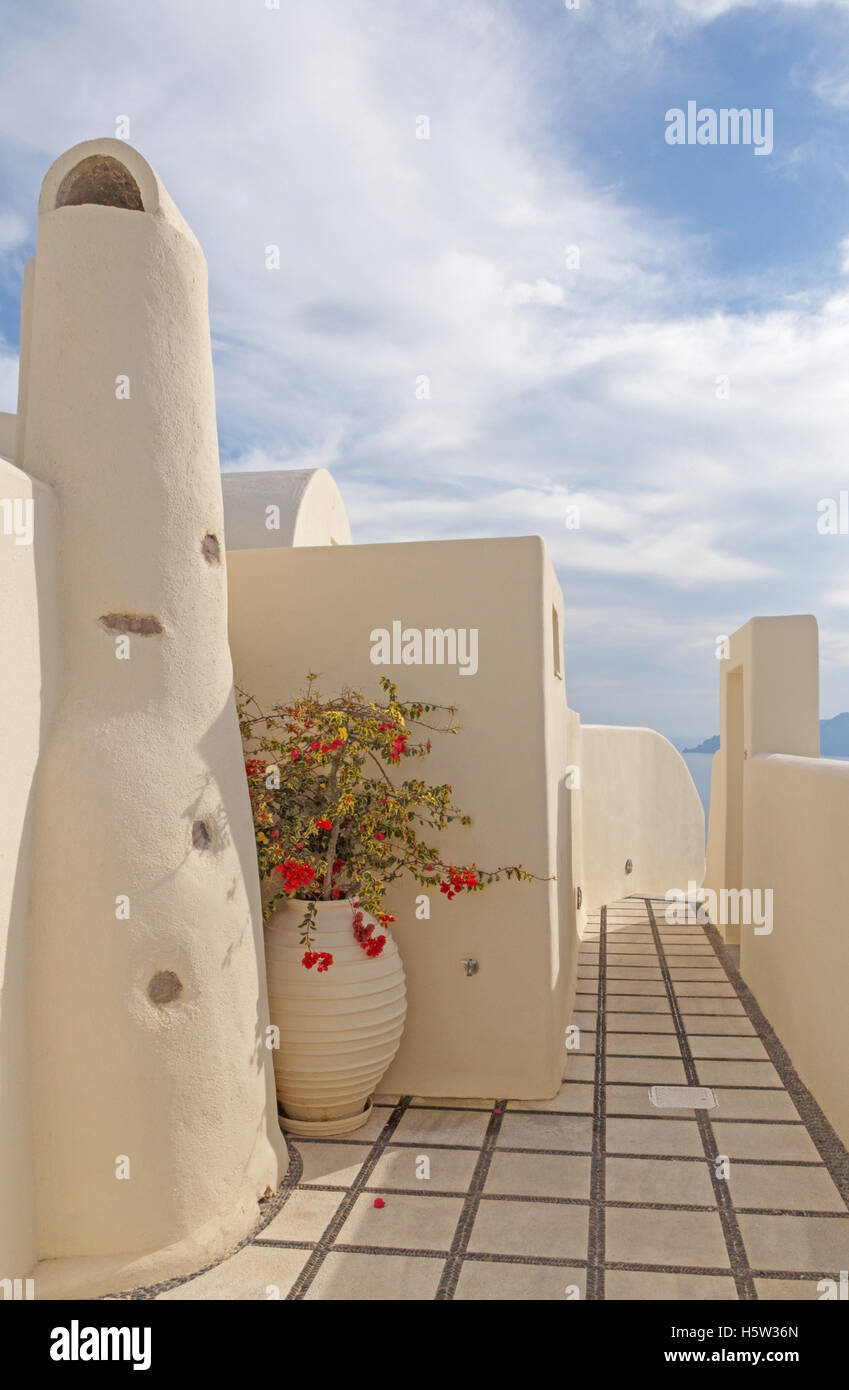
[
  {"x": 710, "y": 745},
  {"x": 834, "y": 739}
]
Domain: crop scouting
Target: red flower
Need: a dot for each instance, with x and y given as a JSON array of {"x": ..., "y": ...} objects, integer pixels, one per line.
[
  {"x": 295, "y": 875},
  {"x": 379, "y": 1202},
  {"x": 399, "y": 745},
  {"x": 379, "y": 835},
  {"x": 294, "y": 755},
  {"x": 324, "y": 823},
  {"x": 323, "y": 959}
]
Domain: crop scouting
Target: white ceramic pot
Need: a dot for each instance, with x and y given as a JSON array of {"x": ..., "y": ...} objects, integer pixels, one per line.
[{"x": 339, "y": 1030}]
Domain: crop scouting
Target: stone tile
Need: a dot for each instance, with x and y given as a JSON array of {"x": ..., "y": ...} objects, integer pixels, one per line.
[
  {"x": 634, "y": 1100},
  {"x": 625, "y": 1002},
  {"x": 704, "y": 989},
  {"x": 797, "y": 1290},
  {"x": 701, "y": 1025},
  {"x": 489, "y": 1280},
  {"x": 653, "y": 1136},
  {"x": 406, "y": 1223},
  {"x": 687, "y": 974},
  {"x": 783, "y": 1188},
  {"x": 305, "y": 1215},
  {"x": 654, "y": 988},
  {"x": 737, "y": 1074},
  {"x": 347, "y": 1277},
  {"x": 539, "y": 1175},
  {"x": 450, "y": 1127},
  {"x": 751, "y": 1049},
  {"x": 816, "y": 1243},
  {"x": 331, "y": 1165},
  {"x": 583, "y": 1018},
  {"x": 662, "y": 1180},
  {"x": 642, "y": 1045},
  {"x": 256, "y": 1272},
  {"x": 505, "y": 1227},
  {"x": 621, "y": 974},
  {"x": 450, "y": 1103},
  {"x": 450, "y": 1170},
  {"x": 664, "y": 1237},
  {"x": 573, "y": 1097},
  {"x": 720, "y": 1007},
  {"x": 638, "y": 1285},
  {"x": 385, "y": 1100},
  {"x": 649, "y": 1070},
  {"x": 648, "y": 1022},
  {"x": 752, "y": 1104},
  {"x": 579, "y": 1067},
  {"x": 790, "y": 1143},
  {"x": 552, "y": 1132}
]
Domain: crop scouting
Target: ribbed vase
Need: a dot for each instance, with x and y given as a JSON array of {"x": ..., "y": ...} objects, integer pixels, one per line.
[{"x": 339, "y": 1030}]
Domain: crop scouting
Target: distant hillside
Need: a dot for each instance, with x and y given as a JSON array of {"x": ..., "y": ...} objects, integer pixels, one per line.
[
  {"x": 834, "y": 739},
  {"x": 710, "y": 745}
]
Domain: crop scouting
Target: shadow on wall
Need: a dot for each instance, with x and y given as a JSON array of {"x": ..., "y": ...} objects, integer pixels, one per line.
[{"x": 235, "y": 809}]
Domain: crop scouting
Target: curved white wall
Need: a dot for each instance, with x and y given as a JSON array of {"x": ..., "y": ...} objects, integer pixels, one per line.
[
  {"x": 29, "y": 645},
  {"x": 148, "y": 1031},
  {"x": 298, "y": 506},
  {"x": 639, "y": 802}
]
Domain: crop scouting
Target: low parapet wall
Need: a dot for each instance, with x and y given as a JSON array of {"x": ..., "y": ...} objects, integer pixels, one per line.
[{"x": 796, "y": 826}]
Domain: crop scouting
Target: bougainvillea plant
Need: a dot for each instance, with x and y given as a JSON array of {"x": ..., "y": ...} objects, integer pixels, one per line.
[{"x": 333, "y": 818}]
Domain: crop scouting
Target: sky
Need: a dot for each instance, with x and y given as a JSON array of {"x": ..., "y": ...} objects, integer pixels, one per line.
[{"x": 505, "y": 303}]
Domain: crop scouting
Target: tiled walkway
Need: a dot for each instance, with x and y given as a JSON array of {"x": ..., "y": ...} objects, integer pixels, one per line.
[{"x": 595, "y": 1194}]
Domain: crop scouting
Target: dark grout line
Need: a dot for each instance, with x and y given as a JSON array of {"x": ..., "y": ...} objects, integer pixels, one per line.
[
  {"x": 596, "y": 1235},
  {"x": 459, "y": 1245},
  {"x": 343, "y": 1211},
  {"x": 550, "y": 1199},
  {"x": 559, "y": 1261},
  {"x": 734, "y": 1244}
]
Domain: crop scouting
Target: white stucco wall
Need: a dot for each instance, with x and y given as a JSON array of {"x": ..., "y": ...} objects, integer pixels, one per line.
[
  {"x": 141, "y": 752},
  {"x": 779, "y": 823},
  {"x": 297, "y": 506},
  {"x": 639, "y": 802},
  {"x": 500, "y": 1032},
  {"x": 29, "y": 645},
  {"x": 797, "y": 830},
  {"x": 768, "y": 703}
]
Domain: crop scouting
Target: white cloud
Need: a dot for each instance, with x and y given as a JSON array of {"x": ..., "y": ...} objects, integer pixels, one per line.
[{"x": 445, "y": 258}]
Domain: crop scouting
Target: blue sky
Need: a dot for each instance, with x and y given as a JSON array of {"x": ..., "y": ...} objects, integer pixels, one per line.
[{"x": 550, "y": 386}]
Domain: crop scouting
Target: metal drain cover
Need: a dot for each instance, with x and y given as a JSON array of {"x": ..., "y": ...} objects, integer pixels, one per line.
[{"x": 682, "y": 1097}]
